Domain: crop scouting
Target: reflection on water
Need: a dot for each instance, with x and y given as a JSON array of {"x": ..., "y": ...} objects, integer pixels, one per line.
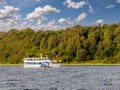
[{"x": 63, "y": 78}]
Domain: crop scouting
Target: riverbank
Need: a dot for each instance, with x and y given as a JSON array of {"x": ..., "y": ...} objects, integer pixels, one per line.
[
  {"x": 64, "y": 64},
  {"x": 90, "y": 64},
  {"x": 11, "y": 64}
]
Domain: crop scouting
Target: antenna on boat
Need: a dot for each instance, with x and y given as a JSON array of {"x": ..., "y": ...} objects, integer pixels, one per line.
[
  {"x": 41, "y": 56},
  {"x": 27, "y": 55},
  {"x": 47, "y": 56}
]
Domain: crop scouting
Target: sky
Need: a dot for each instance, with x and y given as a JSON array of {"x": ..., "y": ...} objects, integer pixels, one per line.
[{"x": 56, "y": 14}]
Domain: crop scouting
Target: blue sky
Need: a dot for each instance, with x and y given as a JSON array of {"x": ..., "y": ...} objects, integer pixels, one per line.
[{"x": 56, "y": 14}]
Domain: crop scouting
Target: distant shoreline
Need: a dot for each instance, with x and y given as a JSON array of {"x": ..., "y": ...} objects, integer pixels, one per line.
[
  {"x": 68, "y": 64},
  {"x": 11, "y": 64},
  {"x": 90, "y": 64}
]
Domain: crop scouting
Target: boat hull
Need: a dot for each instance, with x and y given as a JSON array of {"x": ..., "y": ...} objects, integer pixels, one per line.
[{"x": 38, "y": 66}]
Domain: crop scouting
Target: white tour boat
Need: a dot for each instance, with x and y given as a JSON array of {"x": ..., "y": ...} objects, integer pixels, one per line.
[{"x": 39, "y": 62}]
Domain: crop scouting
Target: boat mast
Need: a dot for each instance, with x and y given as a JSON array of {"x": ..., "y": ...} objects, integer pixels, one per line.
[
  {"x": 41, "y": 56},
  {"x": 27, "y": 55}
]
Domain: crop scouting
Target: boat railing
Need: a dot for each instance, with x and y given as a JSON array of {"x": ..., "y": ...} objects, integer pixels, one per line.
[{"x": 35, "y": 59}]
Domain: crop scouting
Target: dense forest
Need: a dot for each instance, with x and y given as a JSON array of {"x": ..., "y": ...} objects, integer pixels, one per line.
[{"x": 78, "y": 44}]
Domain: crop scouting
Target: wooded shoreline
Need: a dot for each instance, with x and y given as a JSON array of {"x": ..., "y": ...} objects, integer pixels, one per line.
[{"x": 79, "y": 44}]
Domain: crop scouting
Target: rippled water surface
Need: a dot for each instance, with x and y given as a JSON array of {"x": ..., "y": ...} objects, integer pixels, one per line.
[{"x": 63, "y": 78}]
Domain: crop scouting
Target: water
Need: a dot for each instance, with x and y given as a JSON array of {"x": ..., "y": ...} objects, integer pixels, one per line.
[{"x": 63, "y": 78}]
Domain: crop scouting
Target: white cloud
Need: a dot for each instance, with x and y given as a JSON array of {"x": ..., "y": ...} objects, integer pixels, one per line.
[
  {"x": 39, "y": 16},
  {"x": 2, "y": 2},
  {"x": 100, "y": 21},
  {"x": 118, "y": 1},
  {"x": 24, "y": 25},
  {"x": 71, "y": 4},
  {"x": 110, "y": 6},
  {"x": 37, "y": 0},
  {"x": 39, "y": 13},
  {"x": 7, "y": 25},
  {"x": 9, "y": 12},
  {"x": 9, "y": 18},
  {"x": 11, "y": 22},
  {"x": 49, "y": 26},
  {"x": 81, "y": 16},
  {"x": 91, "y": 10},
  {"x": 64, "y": 21}
]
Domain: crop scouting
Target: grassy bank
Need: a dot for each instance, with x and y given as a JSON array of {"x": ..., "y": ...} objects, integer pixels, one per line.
[
  {"x": 87, "y": 64},
  {"x": 11, "y": 64},
  {"x": 71, "y": 64}
]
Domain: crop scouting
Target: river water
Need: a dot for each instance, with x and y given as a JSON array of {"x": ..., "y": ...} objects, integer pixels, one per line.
[{"x": 63, "y": 78}]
